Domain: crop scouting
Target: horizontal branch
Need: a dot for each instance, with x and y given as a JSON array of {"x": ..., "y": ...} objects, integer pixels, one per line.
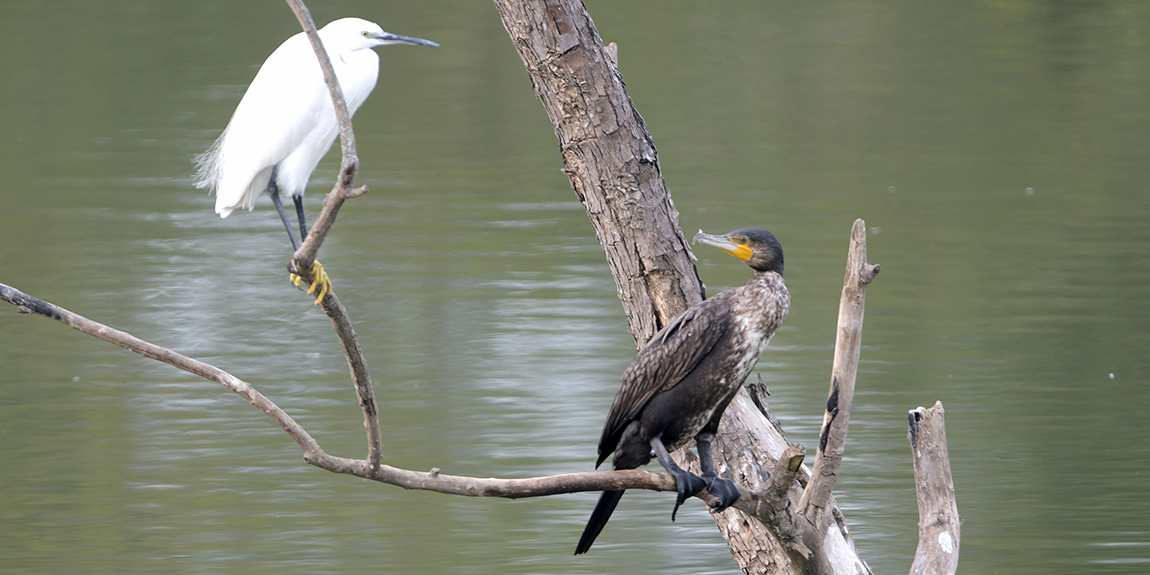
[
  {"x": 315, "y": 455},
  {"x": 507, "y": 488},
  {"x": 28, "y": 304}
]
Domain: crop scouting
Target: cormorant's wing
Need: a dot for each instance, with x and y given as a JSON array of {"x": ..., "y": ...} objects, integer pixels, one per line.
[{"x": 672, "y": 354}]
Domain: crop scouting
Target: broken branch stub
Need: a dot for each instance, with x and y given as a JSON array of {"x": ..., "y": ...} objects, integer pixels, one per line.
[
  {"x": 938, "y": 520},
  {"x": 848, "y": 344}
]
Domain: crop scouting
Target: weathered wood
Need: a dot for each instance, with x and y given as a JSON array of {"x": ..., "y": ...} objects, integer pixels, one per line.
[
  {"x": 609, "y": 157},
  {"x": 614, "y": 170},
  {"x": 746, "y": 447},
  {"x": 793, "y": 542},
  {"x": 848, "y": 343},
  {"x": 613, "y": 166},
  {"x": 786, "y": 470},
  {"x": 938, "y": 520}
]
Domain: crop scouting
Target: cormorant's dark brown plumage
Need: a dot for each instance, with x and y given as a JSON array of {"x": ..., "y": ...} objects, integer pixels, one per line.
[{"x": 680, "y": 383}]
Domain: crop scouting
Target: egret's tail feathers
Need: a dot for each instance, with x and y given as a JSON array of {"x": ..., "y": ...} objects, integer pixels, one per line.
[
  {"x": 228, "y": 200},
  {"x": 211, "y": 175},
  {"x": 209, "y": 167},
  {"x": 603, "y": 510}
]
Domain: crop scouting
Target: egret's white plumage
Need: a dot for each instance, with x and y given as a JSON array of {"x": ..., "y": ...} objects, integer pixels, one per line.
[{"x": 285, "y": 123}]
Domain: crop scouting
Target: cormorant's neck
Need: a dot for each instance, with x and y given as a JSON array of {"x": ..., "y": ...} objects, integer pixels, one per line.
[{"x": 761, "y": 275}]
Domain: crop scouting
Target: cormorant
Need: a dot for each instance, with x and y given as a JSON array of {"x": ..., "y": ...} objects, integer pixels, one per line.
[{"x": 680, "y": 383}]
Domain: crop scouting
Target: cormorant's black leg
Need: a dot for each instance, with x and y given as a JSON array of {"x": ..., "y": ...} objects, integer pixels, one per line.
[
  {"x": 686, "y": 483},
  {"x": 724, "y": 489},
  {"x": 275, "y": 193},
  {"x": 302, "y": 221}
]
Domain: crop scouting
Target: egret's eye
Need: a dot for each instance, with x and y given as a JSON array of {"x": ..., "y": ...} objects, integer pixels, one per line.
[{"x": 366, "y": 34}]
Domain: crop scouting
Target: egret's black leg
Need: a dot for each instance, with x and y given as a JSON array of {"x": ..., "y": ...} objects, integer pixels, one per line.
[
  {"x": 686, "y": 483},
  {"x": 724, "y": 489},
  {"x": 275, "y": 193},
  {"x": 321, "y": 286},
  {"x": 302, "y": 221}
]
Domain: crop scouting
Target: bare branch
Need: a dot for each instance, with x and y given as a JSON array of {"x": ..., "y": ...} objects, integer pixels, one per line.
[
  {"x": 314, "y": 455},
  {"x": 28, "y": 304},
  {"x": 938, "y": 520},
  {"x": 357, "y": 364},
  {"x": 848, "y": 343},
  {"x": 304, "y": 258},
  {"x": 349, "y": 162}
]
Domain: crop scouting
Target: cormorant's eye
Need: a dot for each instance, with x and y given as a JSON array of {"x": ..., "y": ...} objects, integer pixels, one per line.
[{"x": 742, "y": 239}]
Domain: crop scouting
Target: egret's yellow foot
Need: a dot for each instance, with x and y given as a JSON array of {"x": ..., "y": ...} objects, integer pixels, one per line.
[{"x": 320, "y": 285}]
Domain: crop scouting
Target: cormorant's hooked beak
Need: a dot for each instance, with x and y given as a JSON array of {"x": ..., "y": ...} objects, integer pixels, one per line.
[
  {"x": 734, "y": 246},
  {"x": 389, "y": 38}
]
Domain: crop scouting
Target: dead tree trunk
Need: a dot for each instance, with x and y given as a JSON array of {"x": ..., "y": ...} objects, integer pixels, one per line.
[
  {"x": 610, "y": 159},
  {"x": 614, "y": 170}
]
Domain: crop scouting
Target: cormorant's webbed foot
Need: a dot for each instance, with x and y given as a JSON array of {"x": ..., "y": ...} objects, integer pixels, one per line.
[
  {"x": 320, "y": 285},
  {"x": 724, "y": 489},
  {"x": 686, "y": 483}
]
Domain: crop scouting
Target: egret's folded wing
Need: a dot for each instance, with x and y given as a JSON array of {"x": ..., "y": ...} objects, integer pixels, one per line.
[{"x": 273, "y": 118}]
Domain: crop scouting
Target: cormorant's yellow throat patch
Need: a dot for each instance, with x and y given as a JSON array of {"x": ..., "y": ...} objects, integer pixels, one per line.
[{"x": 741, "y": 251}]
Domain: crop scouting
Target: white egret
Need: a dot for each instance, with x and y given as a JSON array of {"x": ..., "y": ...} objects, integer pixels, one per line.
[{"x": 285, "y": 122}]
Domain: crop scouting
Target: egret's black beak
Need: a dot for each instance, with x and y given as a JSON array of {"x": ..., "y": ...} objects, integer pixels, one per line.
[{"x": 389, "y": 38}]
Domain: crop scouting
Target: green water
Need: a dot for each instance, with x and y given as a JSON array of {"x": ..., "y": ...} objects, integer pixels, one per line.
[{"x": 998, "y": 150}]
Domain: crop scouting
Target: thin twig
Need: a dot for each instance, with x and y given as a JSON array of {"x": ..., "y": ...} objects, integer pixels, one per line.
[{"x": 848, "y": 344}]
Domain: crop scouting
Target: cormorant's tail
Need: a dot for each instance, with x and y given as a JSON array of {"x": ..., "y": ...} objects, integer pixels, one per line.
[{"x": 599, "y": 517}]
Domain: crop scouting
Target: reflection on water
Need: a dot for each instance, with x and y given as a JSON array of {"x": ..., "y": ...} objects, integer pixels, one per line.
[{"x": 1000, "y": 147}]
